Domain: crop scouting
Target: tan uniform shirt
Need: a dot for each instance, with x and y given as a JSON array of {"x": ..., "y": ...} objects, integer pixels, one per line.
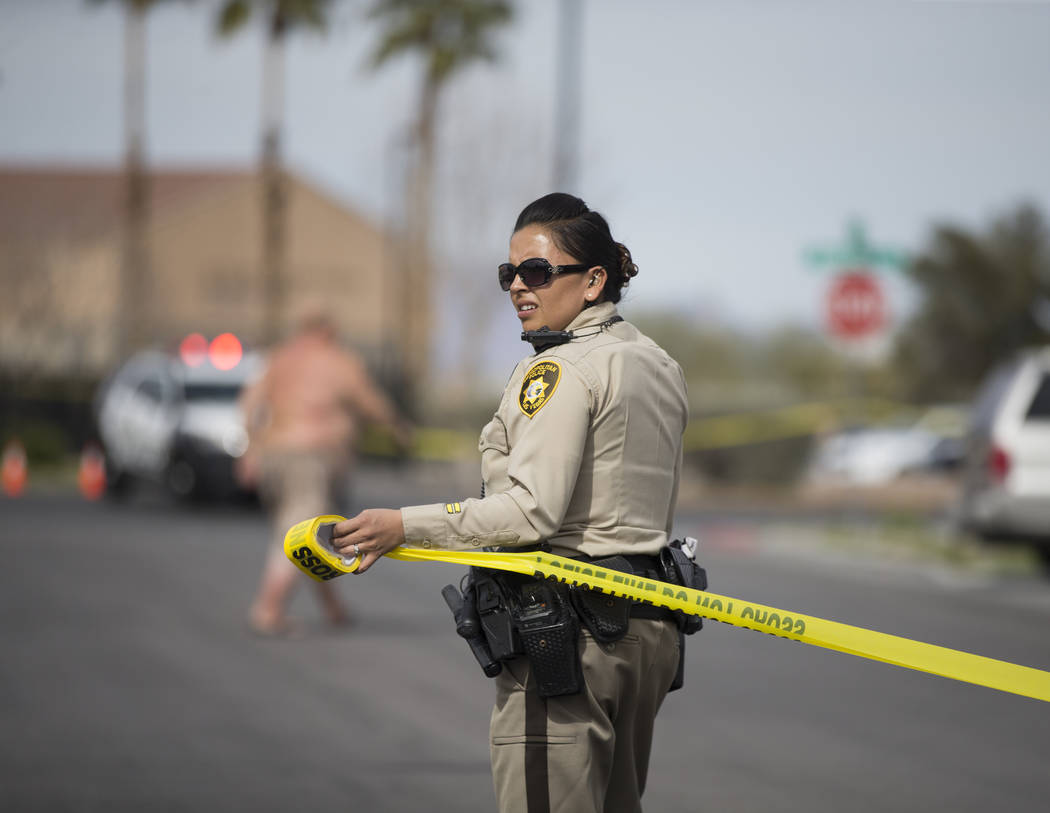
[{"x": 584, "y": 452}]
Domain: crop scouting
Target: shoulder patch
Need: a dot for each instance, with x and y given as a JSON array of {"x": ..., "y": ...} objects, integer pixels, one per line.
[{"x": 538, "y": 386}]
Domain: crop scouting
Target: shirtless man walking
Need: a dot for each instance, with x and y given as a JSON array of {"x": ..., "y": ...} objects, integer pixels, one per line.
[{"x": 303, "y": 417}]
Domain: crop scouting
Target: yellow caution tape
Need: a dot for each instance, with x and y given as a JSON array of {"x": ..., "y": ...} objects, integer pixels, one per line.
[
  {"x": 308, "y": 545},
  {"x": 704, "y": 432}
]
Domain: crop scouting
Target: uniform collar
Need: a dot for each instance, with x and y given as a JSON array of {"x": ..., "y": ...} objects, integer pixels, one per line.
[
  {"x": 591, "y": 320},
  {"x": 593, "y": 316}
]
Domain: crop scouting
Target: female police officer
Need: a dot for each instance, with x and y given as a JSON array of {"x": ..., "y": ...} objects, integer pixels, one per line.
[{"x": 583, "y": 454}]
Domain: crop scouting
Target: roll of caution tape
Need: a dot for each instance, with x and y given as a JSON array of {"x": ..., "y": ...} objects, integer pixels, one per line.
[{"x": 309, "y": 545}]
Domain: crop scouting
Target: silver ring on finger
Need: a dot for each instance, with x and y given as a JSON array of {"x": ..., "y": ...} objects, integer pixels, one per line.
[{"x": 357, "y": 550}]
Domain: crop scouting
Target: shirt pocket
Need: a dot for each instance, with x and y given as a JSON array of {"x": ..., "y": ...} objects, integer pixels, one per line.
[{"x": 494, "y": 437}]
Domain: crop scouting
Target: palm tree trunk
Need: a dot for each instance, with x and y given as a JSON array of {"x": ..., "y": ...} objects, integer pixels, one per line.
[
  {"x": 567, "y": 93},
  {"x": 419, "y": 272},
  {"x": 274, "y": 192},
  {"x": 133, "y": 316}
]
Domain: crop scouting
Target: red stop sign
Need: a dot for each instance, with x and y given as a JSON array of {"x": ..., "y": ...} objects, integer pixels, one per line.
[{"x": 856, "y": 306}]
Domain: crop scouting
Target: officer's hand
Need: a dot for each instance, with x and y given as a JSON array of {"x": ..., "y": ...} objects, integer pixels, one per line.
[{"x": 374, "y": 532}]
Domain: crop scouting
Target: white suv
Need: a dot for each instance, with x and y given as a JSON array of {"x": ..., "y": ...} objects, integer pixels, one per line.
[
  {"x": 163, "y": 420},
  {"x": 1006, "y": 479}
]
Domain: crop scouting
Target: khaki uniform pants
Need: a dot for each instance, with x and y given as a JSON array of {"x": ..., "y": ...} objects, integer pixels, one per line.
[
  {"x": 297, "y": 485},
  {"x": 588, "y": 752}
]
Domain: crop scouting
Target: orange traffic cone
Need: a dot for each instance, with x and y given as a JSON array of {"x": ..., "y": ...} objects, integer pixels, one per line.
[
  {"x": 91, "y": 476},
  {"x": 14, "y": 470}
]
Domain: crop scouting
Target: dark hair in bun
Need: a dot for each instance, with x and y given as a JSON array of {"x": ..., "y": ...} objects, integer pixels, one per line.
[{"x": 584, "y": 235}]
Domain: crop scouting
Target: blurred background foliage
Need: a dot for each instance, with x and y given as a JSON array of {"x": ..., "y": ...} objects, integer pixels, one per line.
[{"x": 984, "y": 296}]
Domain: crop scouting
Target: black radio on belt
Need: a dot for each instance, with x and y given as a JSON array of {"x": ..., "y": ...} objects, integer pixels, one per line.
[{"x": 549, "y": 631}]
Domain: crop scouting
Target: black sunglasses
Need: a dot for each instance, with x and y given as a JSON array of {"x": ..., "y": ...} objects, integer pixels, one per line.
[{"x": 534, "y": 272}]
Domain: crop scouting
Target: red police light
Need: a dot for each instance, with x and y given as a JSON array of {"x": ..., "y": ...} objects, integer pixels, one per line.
[
  {"x": 225, "y": 351},
  {"x": 193, "y": 350}
]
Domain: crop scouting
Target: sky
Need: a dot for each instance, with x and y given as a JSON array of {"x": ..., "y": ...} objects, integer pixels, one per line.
[{"x": 721, "y": 138}]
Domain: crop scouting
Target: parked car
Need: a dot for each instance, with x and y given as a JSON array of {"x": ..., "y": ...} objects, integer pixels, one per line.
[
  {"x": 872, "y": 455},
  {"x": 163, "y": 420},
  {"x": 876, "y": 455},
  {"x": 1006, "y": 479}
]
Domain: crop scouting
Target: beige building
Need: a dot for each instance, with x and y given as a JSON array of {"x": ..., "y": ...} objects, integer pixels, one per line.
[{"x": 60, "y": 253}]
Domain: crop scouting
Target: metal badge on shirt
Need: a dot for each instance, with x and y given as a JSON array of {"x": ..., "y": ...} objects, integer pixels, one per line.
[{"x": 538, "y": 387}]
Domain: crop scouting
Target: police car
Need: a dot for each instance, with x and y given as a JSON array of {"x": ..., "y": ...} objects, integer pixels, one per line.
[{"x": 173, "y": 419}]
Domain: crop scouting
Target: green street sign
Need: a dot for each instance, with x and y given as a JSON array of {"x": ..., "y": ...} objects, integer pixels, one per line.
[{"x": 856, "y": 252}]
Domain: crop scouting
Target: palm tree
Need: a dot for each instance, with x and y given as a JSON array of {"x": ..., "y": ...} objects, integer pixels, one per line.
[
  {"x": 281, "y": 17},
  {"x": 449, "y": 35},
  {"x": 133, "y": 308}
]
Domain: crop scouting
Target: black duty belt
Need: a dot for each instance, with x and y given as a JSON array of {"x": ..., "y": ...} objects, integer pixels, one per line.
[
  {"x": 504, "y": 615},
  {"x": 647, "y": 566},
  {"x": 639, "y": 610}
]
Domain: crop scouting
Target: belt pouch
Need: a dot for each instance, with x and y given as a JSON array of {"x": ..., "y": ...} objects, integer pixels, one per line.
[
  {"x": 549, "y": 634},
  {"x": 607, "y": 617}
]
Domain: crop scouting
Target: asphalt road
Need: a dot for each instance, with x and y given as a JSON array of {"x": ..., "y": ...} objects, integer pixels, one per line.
[{"x": 129, "y": 682}]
